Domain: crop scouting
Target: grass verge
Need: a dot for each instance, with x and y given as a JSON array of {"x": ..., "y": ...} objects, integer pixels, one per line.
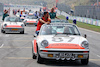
[{"x": 84, "y": 25}]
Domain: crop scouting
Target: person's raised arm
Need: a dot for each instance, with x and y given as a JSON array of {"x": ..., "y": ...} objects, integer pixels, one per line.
[{"x": 42, "y": 21}]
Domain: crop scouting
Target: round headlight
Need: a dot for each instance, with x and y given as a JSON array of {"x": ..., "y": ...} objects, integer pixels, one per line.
[
  {"x": 85, "y": 44},
  {"x": 44, "y": 43},
  {"x": 5, "y": 25}
]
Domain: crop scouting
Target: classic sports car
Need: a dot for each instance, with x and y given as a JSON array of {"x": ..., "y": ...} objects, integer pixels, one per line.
[
  {"x": 58, "y": 21},
  {"x": 12, "y": 25},
  {"x": 30, "y": 20},
  {"x": 60, "y": 41},
  {"x": 31, "y": 13}
]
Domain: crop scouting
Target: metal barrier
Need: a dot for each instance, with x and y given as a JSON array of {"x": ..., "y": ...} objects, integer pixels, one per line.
[
  {"x": 80, "y": 19},
  {"x": 88, "y": 11},
  {"x": 1, "y": 8},
  {"x": 64, "y": 7}
]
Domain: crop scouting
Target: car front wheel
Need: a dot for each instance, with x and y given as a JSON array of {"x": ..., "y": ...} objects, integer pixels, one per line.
[
  {"x": 33, "y": 55},
  {"x": 2, "y": 31},
  {"x": 85, "y": 61},
  {"x": 39, "y": 59}
]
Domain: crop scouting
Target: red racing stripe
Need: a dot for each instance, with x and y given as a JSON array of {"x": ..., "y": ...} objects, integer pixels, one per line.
[
  {"x": 35, "y": 46},
  {"x": 64, "y": 46},
  {"x": 31, "y": 21},
  {"x": 13, "y": 26}
]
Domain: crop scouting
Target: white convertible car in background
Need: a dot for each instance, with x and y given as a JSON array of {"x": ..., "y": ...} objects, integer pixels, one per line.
[
  {"x": 12, "y": 25},
  {"x": 30, "y": 20},
  {"x": 60, "y": 41}
]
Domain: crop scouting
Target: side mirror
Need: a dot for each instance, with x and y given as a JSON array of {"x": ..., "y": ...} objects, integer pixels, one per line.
[
  {"x": 85, "y": 36},
  {"x": 35, "y": 35}
]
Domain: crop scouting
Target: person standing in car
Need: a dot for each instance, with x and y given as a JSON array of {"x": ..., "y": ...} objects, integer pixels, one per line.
[{"x": 44, "y": 20}]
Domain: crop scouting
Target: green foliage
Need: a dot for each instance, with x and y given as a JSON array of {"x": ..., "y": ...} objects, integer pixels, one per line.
[{"x": 84, "y": 25}]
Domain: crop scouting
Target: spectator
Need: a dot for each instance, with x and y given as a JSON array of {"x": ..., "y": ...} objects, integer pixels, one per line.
[
  {"x": 53, "y": 14},
  {"x": 5, "y": 15}
]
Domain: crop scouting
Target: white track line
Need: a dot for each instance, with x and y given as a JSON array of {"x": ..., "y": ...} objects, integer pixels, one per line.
[
  {"x": 98, "y": 56},
  {"x": 6, "y": 35},
  {"x": 1, "y": 45}
]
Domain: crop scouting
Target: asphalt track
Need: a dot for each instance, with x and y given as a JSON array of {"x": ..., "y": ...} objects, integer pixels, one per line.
[{"x": 16, "y": 50}]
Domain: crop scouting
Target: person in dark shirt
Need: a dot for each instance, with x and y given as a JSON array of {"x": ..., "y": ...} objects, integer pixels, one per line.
[
  {"x": 5, "y": 15},
  {"x": 53, "y": 14}
]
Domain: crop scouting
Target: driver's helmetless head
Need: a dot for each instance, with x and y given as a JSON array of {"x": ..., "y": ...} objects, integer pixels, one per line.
[{"x": 52, "y": 10}]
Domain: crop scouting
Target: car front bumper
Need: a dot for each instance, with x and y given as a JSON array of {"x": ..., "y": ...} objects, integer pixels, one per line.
[
  {"x": 64, "y": 54},
  {"x": 31, "y": 23},
  {"x": 13, "y": 30}
]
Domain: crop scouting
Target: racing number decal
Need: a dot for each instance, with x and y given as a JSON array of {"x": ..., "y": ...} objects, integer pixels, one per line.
[
  {"x": 71, "y": 39},
  {"x": 35, "y": 47}
]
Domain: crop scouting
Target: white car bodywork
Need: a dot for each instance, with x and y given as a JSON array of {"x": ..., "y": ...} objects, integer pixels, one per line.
[
  {"x": 30, "y": 21},
  {"x": 12, "y": 27},
  {"x": 60, "y": 47}
]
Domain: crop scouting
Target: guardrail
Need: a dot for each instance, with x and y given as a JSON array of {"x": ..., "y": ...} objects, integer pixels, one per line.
[{"x": 80, "y": 19}]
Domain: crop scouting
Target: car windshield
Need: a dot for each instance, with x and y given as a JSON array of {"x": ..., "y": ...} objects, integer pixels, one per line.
[
  {"x": 59, "y": 21},
  {"x": 31, "y": 17},
  {"x": 59, "y": 29},
  {"x": 12, "y": 19}
]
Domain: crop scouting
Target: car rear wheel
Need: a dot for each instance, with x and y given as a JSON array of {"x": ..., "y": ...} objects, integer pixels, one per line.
[{"x": 85, "y": 61}]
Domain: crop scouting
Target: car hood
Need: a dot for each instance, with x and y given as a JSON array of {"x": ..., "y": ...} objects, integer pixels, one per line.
[
  {"x": 31, "y": 19},
  {"x": 71, "y": 39},
  {"x": 13, "y": 23}
]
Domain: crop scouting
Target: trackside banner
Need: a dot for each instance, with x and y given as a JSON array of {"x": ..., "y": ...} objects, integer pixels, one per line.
[{"x": 80, "y": 19}]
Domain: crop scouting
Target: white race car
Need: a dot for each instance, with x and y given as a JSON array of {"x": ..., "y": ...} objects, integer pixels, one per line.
[
  {"x": 31, "y": 13},
  {"x": 12, "y": 25},
  {"x": 31, "y": 20},
  {"x": 60, "y": 41}
]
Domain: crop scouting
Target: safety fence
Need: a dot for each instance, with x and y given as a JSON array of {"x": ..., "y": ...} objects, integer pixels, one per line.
[
  {"x": 1, "y": 8},
  {"x": 87, "y": 11},
  {"x": 80, "y": 19}
]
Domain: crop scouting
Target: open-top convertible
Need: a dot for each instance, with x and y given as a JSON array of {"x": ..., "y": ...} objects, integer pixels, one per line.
[
  {"x": 60, "y": 41},
  {"x": 31, "y": 20},
  {"x": 12, "y": 25}
]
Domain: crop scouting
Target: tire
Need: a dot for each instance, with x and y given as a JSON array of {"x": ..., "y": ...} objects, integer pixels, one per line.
[
  {"x": 33, "y": 55},
  {"x": 25, "y": 24},
  {"x": 2, "y": 31},
  {"x": 85, "y": 61},
  {"x": 22, "y": 32},
  {"x": 35, "y": 25},
  {"x": 39, "y": 59}
]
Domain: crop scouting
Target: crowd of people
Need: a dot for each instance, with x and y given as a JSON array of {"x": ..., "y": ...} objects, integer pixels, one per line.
[
  {"x": 5, "y": 14},
  {"x": 44, "y": 17}
]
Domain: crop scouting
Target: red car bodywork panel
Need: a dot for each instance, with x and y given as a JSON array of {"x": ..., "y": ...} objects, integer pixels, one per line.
[
  {"x": 35, "y": 46},
  {"x": 64, "y": 46},
  {"x": 14, "y": 26}
]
